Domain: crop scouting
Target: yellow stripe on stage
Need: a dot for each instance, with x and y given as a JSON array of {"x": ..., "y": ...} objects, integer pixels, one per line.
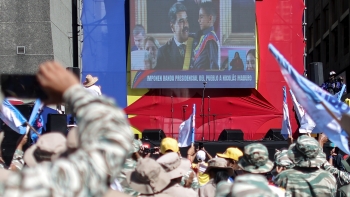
[
  {"x": 188, "y": 54},
  {"x": 133, "y": 94}
]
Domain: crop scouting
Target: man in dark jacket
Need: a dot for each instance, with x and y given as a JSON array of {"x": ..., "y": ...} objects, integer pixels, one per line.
[{"x": 171, "y": 56}]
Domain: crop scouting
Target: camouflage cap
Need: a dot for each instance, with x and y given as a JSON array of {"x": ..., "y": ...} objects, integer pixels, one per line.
[
  {"x": 277, "y": 153},
  {"x": 248, "y": 185},
  {"x": 255, "y": 159},
  {"x": 306, "y": 152},
  {"x": 282, "y": 159},
  {"x": 136, "y": 146}
]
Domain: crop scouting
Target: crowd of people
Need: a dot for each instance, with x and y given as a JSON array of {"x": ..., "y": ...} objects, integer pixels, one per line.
[
  {"x": 302, "y": 169},
  {"x": 101, "y": 157}
]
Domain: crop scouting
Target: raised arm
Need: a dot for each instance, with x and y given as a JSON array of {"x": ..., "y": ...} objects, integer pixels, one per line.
[
  {"x": 105, "y": 139},
  {"x": 17, "y": 160}
]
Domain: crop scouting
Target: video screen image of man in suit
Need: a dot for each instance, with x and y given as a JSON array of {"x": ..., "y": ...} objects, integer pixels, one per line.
[
  {"x": 171, "y": 55},
  {"x": 139, "y": 36}
]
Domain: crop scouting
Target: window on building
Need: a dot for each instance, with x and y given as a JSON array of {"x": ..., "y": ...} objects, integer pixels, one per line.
[
  {"x": 334, "y": 11},
  {"x": 335, "y": 42},
  {"x": 326, "y": 17},
  {"x": 345, "y": 24},
  {"x": 326, "y": 40}
]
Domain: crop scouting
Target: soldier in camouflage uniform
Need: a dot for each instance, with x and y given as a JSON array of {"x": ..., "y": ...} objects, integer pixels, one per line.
[
  {"x": 17, "y": 160},
  {"x": 306, "y": 179},
  {"x": 282, "y": 162},
  {"x": 129, "y": 166},
  {"x": 342, "y": 177},
  {"x": 255, "y": 159},
  {"x": 105, "y": 139},
  {"x": 282, "y": 159},
  {"x": 190, "y": 177},
  {"x": 248, "y": 185}
]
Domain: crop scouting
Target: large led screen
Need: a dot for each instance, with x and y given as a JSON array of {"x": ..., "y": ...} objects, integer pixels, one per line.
[{"x": 181, "y": 44}]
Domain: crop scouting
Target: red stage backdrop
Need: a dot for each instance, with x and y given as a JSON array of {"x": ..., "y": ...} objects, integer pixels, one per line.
[{"x": 253, "y": 111}]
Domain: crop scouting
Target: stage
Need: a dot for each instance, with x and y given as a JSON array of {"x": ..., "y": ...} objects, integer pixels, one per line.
[{"x": 213, "y": 147}]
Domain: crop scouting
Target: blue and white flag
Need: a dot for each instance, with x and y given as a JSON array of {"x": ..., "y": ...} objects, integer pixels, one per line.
[
  {"x": 307, "y": 125},
  {"x": 193, "y": 126},
  {"x": 313, "y": 99},
  {"x": 36, "y": 120},
  {"x": 186, "y": 130},
  {"x": 299, "y": 110},
  {"x": 12, "y": 117},
  {"x": 286, "y": 128}
]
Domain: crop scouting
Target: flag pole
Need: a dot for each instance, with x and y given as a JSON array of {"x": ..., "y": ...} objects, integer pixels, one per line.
[
  {"x": 27, "y": 130},
  {"x": 193, "y": 127},
  {"x": 341, "y": 92},
  {"x": 32, "y": 128}
]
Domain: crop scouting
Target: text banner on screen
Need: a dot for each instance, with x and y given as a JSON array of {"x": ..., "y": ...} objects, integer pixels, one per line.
[
  {"x": 180, "y": 44},
  {"x": 192, "y": 79}
]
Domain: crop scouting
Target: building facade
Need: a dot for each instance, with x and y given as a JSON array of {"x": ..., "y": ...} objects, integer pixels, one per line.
[
  {"x": 41, "y": 30},
  {"x": 327, "y": 33}
]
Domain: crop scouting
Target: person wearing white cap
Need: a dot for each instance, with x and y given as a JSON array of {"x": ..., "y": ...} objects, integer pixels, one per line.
[
  {"x": 330, "y": 84},
  {"x": 200, "y": 167}
]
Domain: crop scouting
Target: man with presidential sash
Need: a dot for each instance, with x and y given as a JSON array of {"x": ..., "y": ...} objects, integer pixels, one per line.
[{"x": 176, "y": 53}]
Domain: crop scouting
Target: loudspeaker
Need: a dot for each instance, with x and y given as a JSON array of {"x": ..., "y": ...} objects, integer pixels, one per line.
[
  {"x": 153, "y": 134},
  {"x": 275, "y": 135},
  {"x": 75, "y": 71},
  {"x": 57, "y": 122},
  {"x": 231, "y": 134},
  {"x": 315, "y": 72}
]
